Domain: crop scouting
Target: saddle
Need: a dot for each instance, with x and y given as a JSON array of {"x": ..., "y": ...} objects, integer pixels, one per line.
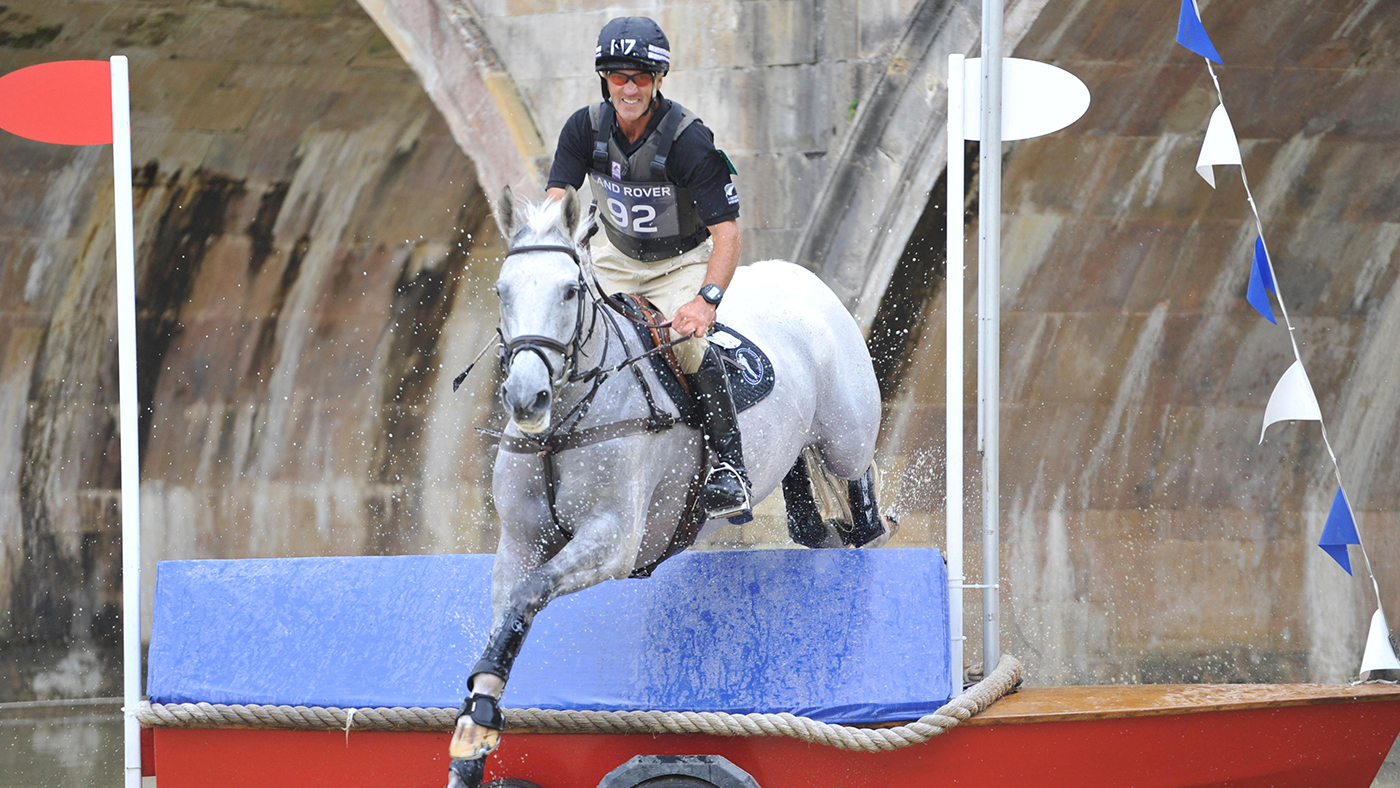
[{"x": 750, "y": 372}]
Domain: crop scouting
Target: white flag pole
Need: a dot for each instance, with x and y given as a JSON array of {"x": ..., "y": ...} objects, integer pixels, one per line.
[
  {"x": 130, "y": 424},
  {"x": 989, "y": 320},
  {"x": 953, "y": 423}
]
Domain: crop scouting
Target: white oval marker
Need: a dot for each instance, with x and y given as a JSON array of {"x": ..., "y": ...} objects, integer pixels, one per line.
[{"x": 1036, "y": 99}]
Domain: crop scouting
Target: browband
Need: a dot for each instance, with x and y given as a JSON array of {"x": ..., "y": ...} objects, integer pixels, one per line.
[{"x": 568, "y": 250}]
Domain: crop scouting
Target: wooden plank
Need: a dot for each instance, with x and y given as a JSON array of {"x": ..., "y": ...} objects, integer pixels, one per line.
[
  {"x": 1337, "y": 745},
  {"x": 1055, "y": 704}
]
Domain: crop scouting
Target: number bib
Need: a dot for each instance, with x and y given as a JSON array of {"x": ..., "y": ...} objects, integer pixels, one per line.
[{"x": 645, "y": 211}]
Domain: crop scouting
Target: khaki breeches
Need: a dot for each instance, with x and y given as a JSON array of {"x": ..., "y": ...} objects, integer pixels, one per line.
[{"x": 668, "y": 283}]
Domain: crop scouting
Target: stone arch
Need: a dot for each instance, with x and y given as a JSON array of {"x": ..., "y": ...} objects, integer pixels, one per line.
[
  {"x": 873, "y": 190},
  {"x": 443, "y": 42},
  {"x": 892, "y": 154}
]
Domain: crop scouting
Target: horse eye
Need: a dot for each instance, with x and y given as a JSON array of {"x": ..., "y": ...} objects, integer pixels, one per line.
[{"x": 571, "y": 292}]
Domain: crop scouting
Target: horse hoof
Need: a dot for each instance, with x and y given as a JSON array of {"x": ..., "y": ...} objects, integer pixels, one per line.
[{"x": 472, "y": 742}]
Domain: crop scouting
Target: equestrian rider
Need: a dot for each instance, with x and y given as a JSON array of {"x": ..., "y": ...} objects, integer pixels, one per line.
[{"x": 669, "y": 218}]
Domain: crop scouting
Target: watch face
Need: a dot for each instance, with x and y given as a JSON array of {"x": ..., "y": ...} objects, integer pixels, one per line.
[{"x": 712, "y": 293}]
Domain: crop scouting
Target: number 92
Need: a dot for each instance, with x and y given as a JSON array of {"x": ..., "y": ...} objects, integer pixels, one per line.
[{"x": 642, "y": 218}]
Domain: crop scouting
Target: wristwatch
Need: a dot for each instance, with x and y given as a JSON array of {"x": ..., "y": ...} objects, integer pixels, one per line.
[{"x": 712, "y": 294}]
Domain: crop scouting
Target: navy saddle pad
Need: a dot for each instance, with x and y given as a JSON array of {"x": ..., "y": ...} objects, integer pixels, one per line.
[{"x": 750, "y": 372}]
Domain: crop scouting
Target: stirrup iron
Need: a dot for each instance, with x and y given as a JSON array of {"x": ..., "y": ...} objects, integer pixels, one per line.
[{"x": 737, "y": 513}]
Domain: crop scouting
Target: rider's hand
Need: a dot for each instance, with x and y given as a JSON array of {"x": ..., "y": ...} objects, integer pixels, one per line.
[{"x": 694, "y": 318}]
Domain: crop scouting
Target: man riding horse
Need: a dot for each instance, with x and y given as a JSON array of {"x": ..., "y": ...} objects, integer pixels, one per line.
[
  {"x": 670, "y": 223},
  {"x": 591, "y": 483}
]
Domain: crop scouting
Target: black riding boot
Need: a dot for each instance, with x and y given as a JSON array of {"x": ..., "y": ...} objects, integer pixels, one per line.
[{"x": 725, "y": 492}]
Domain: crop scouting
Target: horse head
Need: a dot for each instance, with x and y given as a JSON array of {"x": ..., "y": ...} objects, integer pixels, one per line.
[{"x": 542, "y": 294}]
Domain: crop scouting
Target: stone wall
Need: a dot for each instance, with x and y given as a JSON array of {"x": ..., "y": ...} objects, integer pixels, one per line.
[
  {"x": 313, "y": 248},
  {"x": 313, "y": 251},
  {"x": 1147, "y": 535}
]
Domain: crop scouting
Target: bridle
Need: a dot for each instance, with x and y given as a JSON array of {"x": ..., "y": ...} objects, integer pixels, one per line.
[
  {"x": 537, "y": 343},
  {"x": 562, "y": 435}
]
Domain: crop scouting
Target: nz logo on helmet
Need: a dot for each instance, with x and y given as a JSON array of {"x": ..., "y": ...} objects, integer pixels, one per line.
[{"x": 624, "y": 44}]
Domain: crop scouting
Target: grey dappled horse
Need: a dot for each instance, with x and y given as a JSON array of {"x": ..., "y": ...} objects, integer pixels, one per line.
[{"x": 614, "y": 488}]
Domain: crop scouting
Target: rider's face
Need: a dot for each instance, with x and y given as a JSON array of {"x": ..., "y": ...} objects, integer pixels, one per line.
[{"x": 630, "y": 100}]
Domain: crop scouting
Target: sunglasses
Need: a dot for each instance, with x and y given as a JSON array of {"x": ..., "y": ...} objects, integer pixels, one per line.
[{"x": 642, "y": 80}]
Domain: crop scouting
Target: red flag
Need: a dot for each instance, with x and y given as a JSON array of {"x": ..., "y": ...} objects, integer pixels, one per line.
[{"x": 68, "y": 102}]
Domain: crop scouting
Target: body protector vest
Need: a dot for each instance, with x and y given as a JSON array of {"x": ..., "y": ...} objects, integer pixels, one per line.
[{"x": 646, "y": 216}]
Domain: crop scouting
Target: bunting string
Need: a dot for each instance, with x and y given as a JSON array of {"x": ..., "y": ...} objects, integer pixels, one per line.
[{"x": 1292, "y": 398}]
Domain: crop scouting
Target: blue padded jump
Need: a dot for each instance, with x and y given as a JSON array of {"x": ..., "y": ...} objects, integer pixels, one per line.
[{"x": 838, "y": 635}]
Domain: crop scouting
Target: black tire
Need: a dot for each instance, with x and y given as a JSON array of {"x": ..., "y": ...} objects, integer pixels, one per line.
[
  {"x": 510, "y": 782},
  {"x": 676, "y": 781}
]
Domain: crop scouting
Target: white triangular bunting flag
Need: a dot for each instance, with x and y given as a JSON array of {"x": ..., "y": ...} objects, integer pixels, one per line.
[
  {"x": 1379, "y": 654},
  {"x": 1292, "y": 400},
  {"x": 1220, "y": 146}
]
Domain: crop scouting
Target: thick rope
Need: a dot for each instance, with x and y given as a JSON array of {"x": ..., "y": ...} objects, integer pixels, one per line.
[{"x": 977, "y": 698}]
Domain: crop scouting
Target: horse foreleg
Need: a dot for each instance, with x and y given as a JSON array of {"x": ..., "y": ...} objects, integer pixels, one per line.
[
  {"x": 479, "y": 721},
  {"x": 585, "y": 560},
  {"x": 466, "y": 774}
]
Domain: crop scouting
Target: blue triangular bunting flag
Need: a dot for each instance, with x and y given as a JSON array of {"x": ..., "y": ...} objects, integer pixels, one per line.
[
  {"x": 1191, "y": 34},
  {"x": 1261, "y": 261},
  {"x": 1260, "y": 280},
  {"x": 1339, "y": 531}
]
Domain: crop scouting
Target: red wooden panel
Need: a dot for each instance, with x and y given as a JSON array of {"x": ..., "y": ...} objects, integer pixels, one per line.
[{"x": 1337, "y": 745}]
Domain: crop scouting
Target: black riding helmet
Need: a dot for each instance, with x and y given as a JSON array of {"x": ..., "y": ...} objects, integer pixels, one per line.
[{"x": 633, "y": 43}]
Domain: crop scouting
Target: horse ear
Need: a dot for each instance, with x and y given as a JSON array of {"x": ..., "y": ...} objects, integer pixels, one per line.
[
  {"x": 587, "y": 226},
  {"x": 506, "y": 213},
  {"x": 570, "y": 210}
]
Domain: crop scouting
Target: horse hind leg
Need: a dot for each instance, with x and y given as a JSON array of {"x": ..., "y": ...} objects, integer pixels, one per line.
[
  {"x": 814, "y": 505},
  {"x": 852, "y": 506},
  {"x": 867, "y": 527},
  {"x": 805, "y": 523}
]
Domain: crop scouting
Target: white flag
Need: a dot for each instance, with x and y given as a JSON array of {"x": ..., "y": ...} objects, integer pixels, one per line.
[
  {"x": 1379, "y": 655},
  {"x": 1220, "y": 146},
  {"x": 1036, "y": 99},
  {"x": 1293, "y": 399}
]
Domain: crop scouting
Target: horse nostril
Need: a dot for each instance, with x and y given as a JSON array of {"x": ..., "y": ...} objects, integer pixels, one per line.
[{"x": 541, "y": 400}]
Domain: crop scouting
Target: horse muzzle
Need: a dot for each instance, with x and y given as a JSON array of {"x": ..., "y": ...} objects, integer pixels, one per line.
[
  {"x": 528, "y": 406},
  {"x": 528, "y": 391}
]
